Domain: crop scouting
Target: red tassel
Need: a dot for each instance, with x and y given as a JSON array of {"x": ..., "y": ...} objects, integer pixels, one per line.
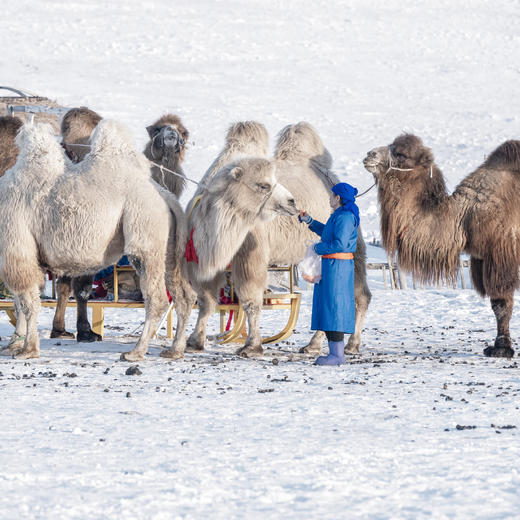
[
  {"x": 191, "y": 254},
  {"x": 228, "y": 326}
]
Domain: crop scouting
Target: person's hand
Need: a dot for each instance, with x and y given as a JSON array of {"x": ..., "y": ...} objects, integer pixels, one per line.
[{"x": 304, "y": 217}]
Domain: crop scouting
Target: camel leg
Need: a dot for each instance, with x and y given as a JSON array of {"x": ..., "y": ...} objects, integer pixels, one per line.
[
  {"x": 503, "y": 309},
  {"x": 82, "y": 287},
  {"x": 363, "y": 297},
  {"x": 153, "y": 288},
  {"x": 18, "y": 338},
  {"x": 253, "y": 345},
  {"x": 30, "y": 306},
  {"x": 249, "y": 272},
  {"x": 184, "y": 298},
  {"x": 206, "y": 302},
  {"x": 64, "y": 290},
  {"x": 314, "y": 346}
]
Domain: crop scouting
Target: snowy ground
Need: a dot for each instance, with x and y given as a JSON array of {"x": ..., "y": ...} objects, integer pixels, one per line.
[{"x": 214, "y": 436}]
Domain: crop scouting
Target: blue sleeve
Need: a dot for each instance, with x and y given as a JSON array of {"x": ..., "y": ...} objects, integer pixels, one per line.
[
  {"x": 341, "y": 233},
  {"x": 316, "y": 227}
]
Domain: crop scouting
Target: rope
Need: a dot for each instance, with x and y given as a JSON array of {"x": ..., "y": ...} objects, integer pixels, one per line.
[
  {"x": 366, "y": 191},
  {"x": 160, "y": 166},
  {"x": 390, "y": 167}
]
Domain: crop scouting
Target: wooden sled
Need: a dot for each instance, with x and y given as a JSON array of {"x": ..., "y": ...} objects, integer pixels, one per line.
[{"x": 280, "y": 301}]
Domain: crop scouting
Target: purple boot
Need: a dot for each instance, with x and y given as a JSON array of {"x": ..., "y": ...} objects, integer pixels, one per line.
[{"x": 336, "y": 354}]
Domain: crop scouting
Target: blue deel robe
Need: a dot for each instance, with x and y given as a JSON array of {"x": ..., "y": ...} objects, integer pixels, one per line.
[{"x": 333, "y": 304}]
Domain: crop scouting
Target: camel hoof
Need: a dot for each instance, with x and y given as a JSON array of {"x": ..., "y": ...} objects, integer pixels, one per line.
[
  {"x": 15, "y": 343},
  {"x": 88, "y": 336},
  {"x": 131, "y": 355},
  {"x": 250, "y": 351},
  {"x": 311, "y": 350},
  {"x": 194, "y": 347},
  {"x": 504, "y": 352},
  {"x": 61, "y": 334},
  {"x": 26, "y": 354},
  {"x": 171, "y": 354},
  {"x": 352, "y": 350}
]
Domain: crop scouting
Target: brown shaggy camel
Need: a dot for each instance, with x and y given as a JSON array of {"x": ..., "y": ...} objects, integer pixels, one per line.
[
  {"x": 303, "y": 167},
  {"x": 167, "y": 145},
  {"x": 429, "y": 229}
]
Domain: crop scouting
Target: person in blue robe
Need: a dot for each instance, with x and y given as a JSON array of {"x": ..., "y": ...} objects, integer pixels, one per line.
[{"x": 333, "y": 305}]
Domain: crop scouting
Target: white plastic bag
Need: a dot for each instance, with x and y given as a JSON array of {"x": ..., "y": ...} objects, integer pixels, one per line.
[{"x": 310, "y": 267}]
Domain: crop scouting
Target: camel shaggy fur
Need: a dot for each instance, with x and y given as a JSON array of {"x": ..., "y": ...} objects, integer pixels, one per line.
[
  {"x": 167, "y": 145},
  {"x": 76, "y": 127},
  {"x": 241, "y": 196},
  {"x": 303, "y": 167},
  {"x": 429, "y": 229},
  {"x": 69, "y": 218}
]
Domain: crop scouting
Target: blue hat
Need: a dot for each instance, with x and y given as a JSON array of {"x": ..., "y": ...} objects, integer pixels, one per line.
[
  {"x": 348, "y": 194},
  {"x": 345, "y": 191}
]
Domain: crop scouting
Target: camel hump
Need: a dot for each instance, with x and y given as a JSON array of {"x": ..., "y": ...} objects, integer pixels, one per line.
[
  {"x": 111, "y": 138},
  {"x": 301, "y": 142},
  {"x": 243, "y": 134},
  {"x": 507, "y": 156},
  {"x": 38, "y": 142}
]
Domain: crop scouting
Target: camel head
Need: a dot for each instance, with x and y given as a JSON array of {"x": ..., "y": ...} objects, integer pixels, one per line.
[
  {"x": 76, "y": 127},
  {"x": 168, "y": 136},
  {"x": 38, "y": 146},
  {"x": 250, "y": 186},
  {"x": 406, "y": 157}
]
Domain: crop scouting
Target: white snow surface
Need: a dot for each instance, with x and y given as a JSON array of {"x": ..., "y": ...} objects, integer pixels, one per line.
[{"x": 215, "y": 436}]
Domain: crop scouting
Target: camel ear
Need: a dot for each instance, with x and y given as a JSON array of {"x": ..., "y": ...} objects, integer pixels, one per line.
[
  {"x": 150, "y": 129},
  {"x": 237, "y": 172},
  {"x": 426, "y": 158}
]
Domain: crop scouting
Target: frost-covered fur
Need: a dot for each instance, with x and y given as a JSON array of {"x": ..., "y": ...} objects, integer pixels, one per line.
[
  {"x": 69, "y": 218},
  {"x": 239, "y": 196},
  {"x": 245, "y": 138},
  {"x": 167, "y": 145},
  {"x": 429, "y": 229},
  {"x": 303, "y": 167}
]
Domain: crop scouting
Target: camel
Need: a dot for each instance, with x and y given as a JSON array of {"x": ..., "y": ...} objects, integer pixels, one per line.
[
  {"x": 76, "y": 127},
  {"x": 68, "y": 218},
  {"x": 302, "y": 165},
  {"x": 167, "y": 145},
  {"x": 240, "y": 197},
  {"x": 429, "y": 229}
]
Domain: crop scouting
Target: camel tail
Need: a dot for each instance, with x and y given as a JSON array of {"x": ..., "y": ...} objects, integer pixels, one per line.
[{"x": 506, "y": 156}]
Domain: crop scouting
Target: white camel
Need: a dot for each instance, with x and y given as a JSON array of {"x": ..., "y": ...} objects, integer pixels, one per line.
[{"x": 76, "y": 219}]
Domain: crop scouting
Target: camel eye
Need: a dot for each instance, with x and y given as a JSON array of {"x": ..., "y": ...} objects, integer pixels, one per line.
[
  {"x": 264, "y": 187},
  {"x": 399, "y": 155}
]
